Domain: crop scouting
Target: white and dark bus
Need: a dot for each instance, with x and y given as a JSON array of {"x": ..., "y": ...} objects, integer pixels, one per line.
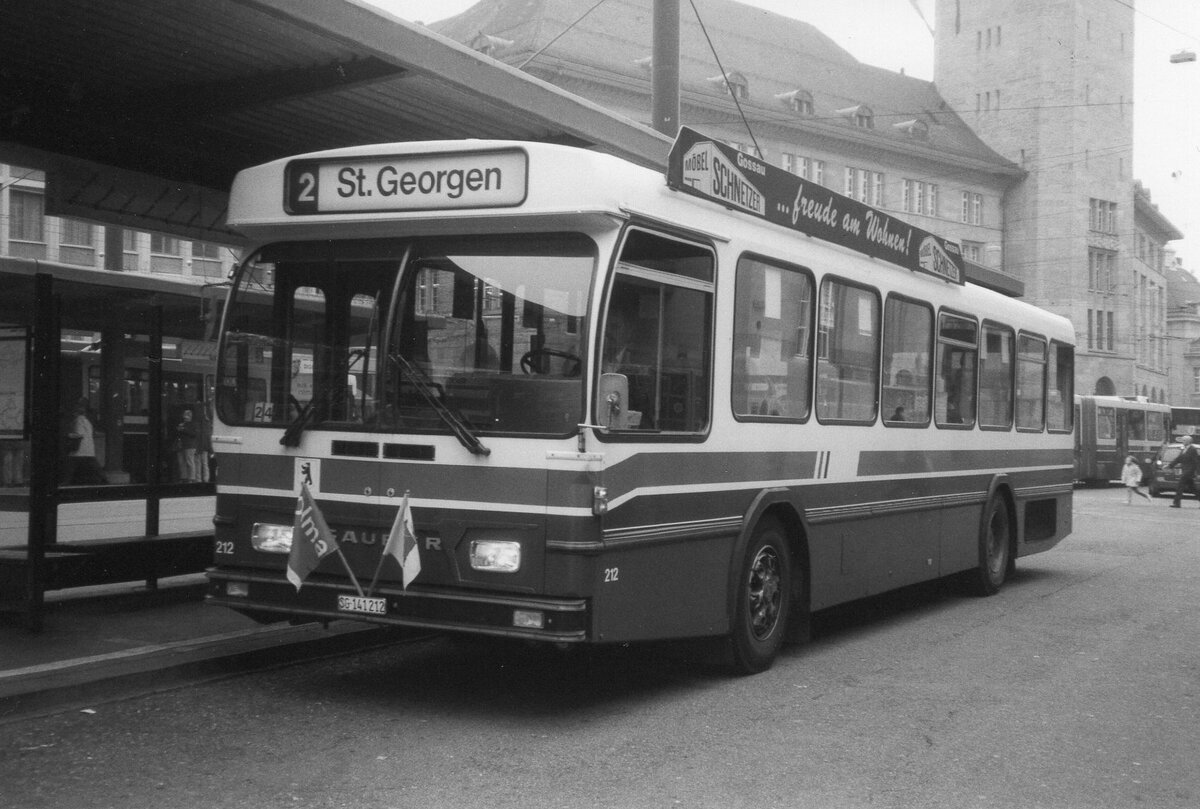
[{"x": 620, "y": 407}]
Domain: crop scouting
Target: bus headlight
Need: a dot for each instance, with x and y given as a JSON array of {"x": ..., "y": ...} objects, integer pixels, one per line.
[
  {"x": 495, "y": 555},
  {"x": 270, "y": 538}
]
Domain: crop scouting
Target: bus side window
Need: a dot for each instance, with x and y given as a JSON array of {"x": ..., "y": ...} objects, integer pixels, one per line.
[
  {"x": 996, "y": 368},
  {"x": 772, "y": 333},
  {"x": 847, "y": 353},
  {"x": 1031, "y": 383},
  {"x": 658, "y": 333},
  {"x": 907, "y": 347},
  {"x": 958, "y": 348}
]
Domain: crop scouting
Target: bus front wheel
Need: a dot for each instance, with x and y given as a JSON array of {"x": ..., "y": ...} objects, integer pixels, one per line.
[
  {"x": 995, "y": 548},
  {"x": 764, "y": 594}
]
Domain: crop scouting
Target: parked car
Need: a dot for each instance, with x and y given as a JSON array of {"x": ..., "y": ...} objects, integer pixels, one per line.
[{"x": 1163, "y": 478}]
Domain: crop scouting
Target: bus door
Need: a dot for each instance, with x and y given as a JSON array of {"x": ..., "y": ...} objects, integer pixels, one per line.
[
  {"x": 1112, "y": 470},
  {"x": 668, "y": 567}
]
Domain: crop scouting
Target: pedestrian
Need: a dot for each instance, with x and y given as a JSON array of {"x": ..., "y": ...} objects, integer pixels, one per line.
[
  {"x": 1131, "y": 476},
  {"x": 80, "y": 467},
  {"x": 186, "y": 440},
  {"x": 1187, "y": 461}
]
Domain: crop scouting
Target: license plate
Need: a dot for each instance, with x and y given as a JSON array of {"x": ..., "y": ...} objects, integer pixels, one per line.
[{"x": 369, "y": 606}]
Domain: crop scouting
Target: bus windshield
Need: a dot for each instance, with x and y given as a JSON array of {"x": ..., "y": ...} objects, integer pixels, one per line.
[{"x": 468, "y": 334}]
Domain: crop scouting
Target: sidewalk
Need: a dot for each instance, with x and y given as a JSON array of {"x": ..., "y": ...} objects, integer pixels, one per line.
[{"x": 99, "y": 643}]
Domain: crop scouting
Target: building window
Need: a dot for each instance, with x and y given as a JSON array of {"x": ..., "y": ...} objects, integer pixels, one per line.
[
  {"x": 1103, "y": 216},
  {"x": 920, "y": 197},
  {"x": 1196, "y": 379},
  {"x": 805, "y": 167},
  {"x": 206, "y": 250},
  {"x": 864, "y": 186},
  {"x": 77, "y": 233},
  {"x": 973, "y": 251},
  {"x": 26, "y": 220},
  {"x": 1101, "y": 264},
  {"x": 163, "y": 244},
  {"x": 972, "y": 208}
]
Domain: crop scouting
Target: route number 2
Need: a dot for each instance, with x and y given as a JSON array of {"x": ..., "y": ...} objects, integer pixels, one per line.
[{"x": 610, "y": 574}]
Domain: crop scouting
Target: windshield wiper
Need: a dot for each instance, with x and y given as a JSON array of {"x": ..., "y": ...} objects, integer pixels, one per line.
[
  {"x": 452, "y": 418},
  {"x": 306, "y": 417}
]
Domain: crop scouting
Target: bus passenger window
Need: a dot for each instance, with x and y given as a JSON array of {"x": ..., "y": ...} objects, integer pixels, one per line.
[
  {"x": 907, "y": 347},
  {"x": 772, "y": 331},
  {"x": 1060, "y": 380},
  {"x": 1031, "y": 383},
  {"x": 847, "y": 353},
  {"x": 958, "y": 347},
  {"x": 996, "y": 377}
]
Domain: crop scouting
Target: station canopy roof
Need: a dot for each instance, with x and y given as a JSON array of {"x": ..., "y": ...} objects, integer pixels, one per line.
[{"x": 141, "y": 111}]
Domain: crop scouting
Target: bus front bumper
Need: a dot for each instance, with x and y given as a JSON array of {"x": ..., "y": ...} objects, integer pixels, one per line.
[{"x": 268, "y": 596}]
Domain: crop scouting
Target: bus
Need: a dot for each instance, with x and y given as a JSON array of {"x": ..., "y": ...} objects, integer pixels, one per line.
[
  {"x": 601, "y": 408},
  {"x": 1185, "y": 421},
  {"x": 1110, "y": 428}
]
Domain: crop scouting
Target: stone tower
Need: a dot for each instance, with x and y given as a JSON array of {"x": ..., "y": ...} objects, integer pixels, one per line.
[{"x": 1049, "y": 85}]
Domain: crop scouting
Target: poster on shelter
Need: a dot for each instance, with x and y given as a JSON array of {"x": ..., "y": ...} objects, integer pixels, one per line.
[{"x": 12, "y": 383}]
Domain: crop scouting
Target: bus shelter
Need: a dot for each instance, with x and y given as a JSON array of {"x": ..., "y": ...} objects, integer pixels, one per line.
[{"x": 106, "y": 383}]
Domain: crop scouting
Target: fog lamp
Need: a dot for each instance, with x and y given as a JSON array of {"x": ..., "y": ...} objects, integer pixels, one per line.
[
  {"x": 529, "y": 619},
  {"x": 238, "y": 589},
  {"x": 495, "y": 556},
  {"x": 270, "y": 538}
]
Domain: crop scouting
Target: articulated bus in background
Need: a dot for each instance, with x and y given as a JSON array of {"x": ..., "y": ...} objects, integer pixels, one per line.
[
  {"x": 616, "y": 408},
  {"x": 1108, "y": 428},
  {"x": 1185, "y": 421}
]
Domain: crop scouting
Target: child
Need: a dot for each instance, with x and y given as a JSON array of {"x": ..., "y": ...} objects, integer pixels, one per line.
[{"x": 1131, "y": 476}]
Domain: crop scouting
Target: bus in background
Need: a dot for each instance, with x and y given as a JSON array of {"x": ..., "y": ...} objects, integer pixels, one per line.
[
  {"x": 1111, "y": 427},
  {"x": 1185, "y": 421},
  {"x": 603, "y": 408}
]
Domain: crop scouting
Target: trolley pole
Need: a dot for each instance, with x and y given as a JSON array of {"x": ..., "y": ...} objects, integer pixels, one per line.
[{"x": 664, "y": 64}]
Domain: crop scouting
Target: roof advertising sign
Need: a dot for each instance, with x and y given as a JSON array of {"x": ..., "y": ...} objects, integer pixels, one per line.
[{"x": 707, "y": 168}]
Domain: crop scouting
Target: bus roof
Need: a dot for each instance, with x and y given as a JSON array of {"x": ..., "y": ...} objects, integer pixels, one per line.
[{"x": 432, "y": 187}]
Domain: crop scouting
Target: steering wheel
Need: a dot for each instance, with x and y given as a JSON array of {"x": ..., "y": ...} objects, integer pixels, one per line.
[{"x": 572, "y": 369}]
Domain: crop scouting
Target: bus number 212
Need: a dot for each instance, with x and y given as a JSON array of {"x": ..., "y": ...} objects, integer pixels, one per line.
[{"x": 610, "y": 574}]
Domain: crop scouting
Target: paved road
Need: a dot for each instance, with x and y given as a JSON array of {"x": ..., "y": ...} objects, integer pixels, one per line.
[{"x": 1077, "y": 686}]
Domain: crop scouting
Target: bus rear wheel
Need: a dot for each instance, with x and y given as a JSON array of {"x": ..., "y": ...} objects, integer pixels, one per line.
[
  {"x": 763, "y": 599},
  {"x": 995, "y": 549}
]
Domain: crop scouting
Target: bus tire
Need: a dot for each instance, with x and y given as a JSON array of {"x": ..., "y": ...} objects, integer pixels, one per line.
[
  {"x": 763, "y": 599},
  {"x": 995, "y": 548}
]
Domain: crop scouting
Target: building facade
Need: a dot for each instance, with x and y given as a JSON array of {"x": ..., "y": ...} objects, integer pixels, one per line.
[
  {"x": 1021, "y": 149},
  {"x": 776, "y": 87},
  {"x": 29, "y": 233},
  {"x": 1050, "y": 87}
]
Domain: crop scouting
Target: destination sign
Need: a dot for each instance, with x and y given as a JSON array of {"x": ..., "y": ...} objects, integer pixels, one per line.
[
  {"x": 708, "y": 168},
  {"x": 494, "y": 179}
]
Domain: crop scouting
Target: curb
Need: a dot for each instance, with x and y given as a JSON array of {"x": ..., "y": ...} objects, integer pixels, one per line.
[{"x": 104, "y": 678}]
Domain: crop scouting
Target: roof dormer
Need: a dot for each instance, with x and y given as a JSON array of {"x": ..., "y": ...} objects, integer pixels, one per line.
[
  {"x": 798, "y": 101},
  {"x": 490, "y": 45},
  {"x": 915, "y": 128},
  {"x": 734, "y": 83},
  {"x": 860, "y": 115}
]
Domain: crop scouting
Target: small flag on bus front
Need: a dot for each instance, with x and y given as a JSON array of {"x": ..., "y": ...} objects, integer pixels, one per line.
[
  {"x": 312, "y": 540},
  {"x": 402, "y": 545}
]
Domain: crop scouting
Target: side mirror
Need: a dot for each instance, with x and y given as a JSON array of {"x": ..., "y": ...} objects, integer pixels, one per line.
[{"x": 612, "y": 401}]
